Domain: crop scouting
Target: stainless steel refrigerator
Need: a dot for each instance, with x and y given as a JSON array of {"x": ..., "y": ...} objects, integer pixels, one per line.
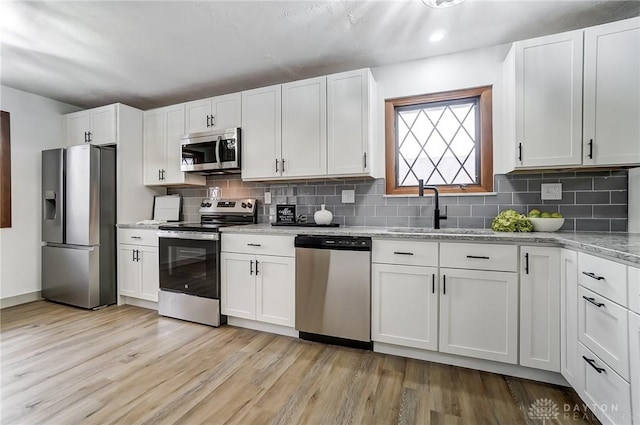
[{"x": 78, "y": 225}]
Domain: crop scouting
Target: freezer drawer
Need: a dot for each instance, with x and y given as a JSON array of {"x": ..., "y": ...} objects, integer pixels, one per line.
[{"x": 71, "y": 275}]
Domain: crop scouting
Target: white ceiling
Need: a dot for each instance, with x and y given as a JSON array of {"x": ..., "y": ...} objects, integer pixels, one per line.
[{"x": 155, "y": 53}]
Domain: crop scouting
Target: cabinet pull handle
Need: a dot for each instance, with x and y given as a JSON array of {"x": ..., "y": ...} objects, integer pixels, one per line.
[
  {"x": 85, "y": 137},
  {"x": 133, "y": 255},
  {"x": 163, "y": 178},
  {"x": 254, "y": 244},
  {"x": 590, "y": 156},
  {"x": 593, "y": 276},
  {"x": 213, "y": 123},
  {"x": 251, "y": 267},
  {"x": 444, "y": 284},
  {"x": 208, "y": 118},
  {"x": 365, "y": 160},
  {"x": 526, "y": 263},
  {"x": 159, "y": 174},
  {"x": 257, "y": 271},
  {"x": 136, "y": 237},
  {"x": 89, "y": 136},
  {"x": 403, "y": 253},
  {"x": 433, "y": 283},
  {"x": 592, "y": 362},
  {"x": 283, "y": 165},
  {"x": 277, "y": 165},
  {"x": 478, "y": 257},
  {"x": 520, "y": 152},
  {"x": 593, "y": 301}
]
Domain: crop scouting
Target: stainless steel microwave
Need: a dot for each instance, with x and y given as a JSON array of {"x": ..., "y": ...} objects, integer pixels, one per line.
[{"x": 212, "y": 151}]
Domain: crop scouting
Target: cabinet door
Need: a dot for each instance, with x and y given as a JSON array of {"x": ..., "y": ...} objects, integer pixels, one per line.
[
  {"x": 348, "y": 122},
  {"x": 304, "y": 128},
  {"x": 77, "y": 125},
  {"x": 549, "y": 100},
  {"x": 103, "y": 126},
  {"x": 226, "y": 111},
  {"x": 404, "y": 305},
  {"x": 540, "y": 308},
  {"x": 198, "y": 115},
  {"x": 149, "y": 273},
  {"x": 154, "y": 146},
  {"x": 275, "y": 289},
  {"x": 174, "y": 130},
  {"x": 479, "y": 314},
  {"x": 261, "y": 133},
  {"x": 634, "y": 362},
  {"x": 238, "y": 285},
  {"x": 612, "y": 93},
  {"x": 128, "y": 271},
  {"x": 569, "y": 367}
]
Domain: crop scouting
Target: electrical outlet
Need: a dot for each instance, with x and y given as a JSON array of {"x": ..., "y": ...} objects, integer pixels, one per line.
[
  {"x": 267, "y": 198},
  {"x": 551, "y": 191},
  {"x": 348, "y": 196}
]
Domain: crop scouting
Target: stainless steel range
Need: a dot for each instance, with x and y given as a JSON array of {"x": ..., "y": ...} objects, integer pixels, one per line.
[{"x": 190, "y": 261}]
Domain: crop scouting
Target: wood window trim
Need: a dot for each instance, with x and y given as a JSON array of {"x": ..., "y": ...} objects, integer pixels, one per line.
[
  {"x": 5, "y": 170},
  {"x": 486, "y": 139}
]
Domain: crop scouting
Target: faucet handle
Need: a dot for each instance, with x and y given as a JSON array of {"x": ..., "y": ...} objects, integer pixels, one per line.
[
  {"x": 444, "y": 216},
  {"x": 420, "y": 187}
]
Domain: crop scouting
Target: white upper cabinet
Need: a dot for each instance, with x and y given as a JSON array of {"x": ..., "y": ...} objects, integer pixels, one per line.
[
  {"x": 548, "y": 100},
  {"x": 304, "y": 128},
  {"x": 573, "y": 99},
  {"x": 612, "y": 94},
  {"x": 96, "y": 126},
  {"x": 215, "y": 113},
  {"x": 163, "y": 128},
  {"x": 262, "y": 133},
  {"x": 350, "y": 104}
]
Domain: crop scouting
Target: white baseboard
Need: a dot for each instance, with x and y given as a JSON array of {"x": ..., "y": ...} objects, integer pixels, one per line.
[
  {"x": 20, "y": 299},
  {"x": 138, "y": 303},
  {"x": 470, "y": 363},
  {"x": 261, "y": 326}
]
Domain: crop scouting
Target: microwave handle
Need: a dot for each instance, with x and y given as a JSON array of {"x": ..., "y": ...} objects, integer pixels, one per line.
[{"x": 218, "y": 151}]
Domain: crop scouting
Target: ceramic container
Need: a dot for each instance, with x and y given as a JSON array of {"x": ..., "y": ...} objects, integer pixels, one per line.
[{"x": 322, "y": 216}]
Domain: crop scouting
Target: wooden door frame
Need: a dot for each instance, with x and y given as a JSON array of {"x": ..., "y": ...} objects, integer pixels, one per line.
[{"x": 5, "y": 170}]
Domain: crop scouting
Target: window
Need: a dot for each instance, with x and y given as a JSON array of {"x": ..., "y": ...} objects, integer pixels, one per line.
[{"x": 445, "y": 139}]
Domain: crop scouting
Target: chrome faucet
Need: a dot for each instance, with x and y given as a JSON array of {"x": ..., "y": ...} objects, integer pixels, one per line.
[{"x": 436, "y": 212}]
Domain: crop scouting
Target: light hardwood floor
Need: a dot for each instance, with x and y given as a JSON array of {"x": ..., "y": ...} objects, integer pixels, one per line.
[{"x": 127, "y": 365}]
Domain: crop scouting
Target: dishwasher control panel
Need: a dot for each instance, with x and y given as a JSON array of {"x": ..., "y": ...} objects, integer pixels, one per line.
[{"x": 350, "y": 243}]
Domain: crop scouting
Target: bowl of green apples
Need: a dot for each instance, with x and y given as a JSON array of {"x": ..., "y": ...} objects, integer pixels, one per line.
[{"x": 545, "y": 221}]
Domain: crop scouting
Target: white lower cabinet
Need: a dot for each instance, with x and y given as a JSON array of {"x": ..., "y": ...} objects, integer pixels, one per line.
[
  {"x": 479, "y": 314},
  {"x": 605, "y": 392},
  {"x": 258, "y": 287},
  {"x": 569, "y": 366},
  {"x": 138, "y": 265},
  {"x": 405, "y": 305},
  {"x": 540, "y": 307},
  {"x": 634, "y": 364}
]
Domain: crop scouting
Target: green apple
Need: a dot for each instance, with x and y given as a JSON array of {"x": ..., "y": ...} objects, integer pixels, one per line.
[
  {"x": 545, "y": 215},
  {"x": 556, "y": 215},
  {"x": 534, "y": 213}
]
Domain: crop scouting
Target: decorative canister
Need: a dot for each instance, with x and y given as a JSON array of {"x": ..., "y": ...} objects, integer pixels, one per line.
[{"x": 322, "y": 216}]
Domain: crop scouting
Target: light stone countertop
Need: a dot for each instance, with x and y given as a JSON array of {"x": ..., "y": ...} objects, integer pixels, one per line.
[
  {"x": 620, "y": 246},
  {"x": 142, "y": 226}
]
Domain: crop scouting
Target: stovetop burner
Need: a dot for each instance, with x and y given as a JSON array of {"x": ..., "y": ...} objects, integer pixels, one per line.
[{"x": 220, "y": 213}]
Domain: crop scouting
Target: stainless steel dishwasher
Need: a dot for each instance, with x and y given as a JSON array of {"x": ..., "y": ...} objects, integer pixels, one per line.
[{"x": 333, "y": 289}]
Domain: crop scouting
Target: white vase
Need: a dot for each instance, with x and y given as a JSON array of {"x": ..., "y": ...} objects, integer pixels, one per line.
[{"x": 322, "y": 216}]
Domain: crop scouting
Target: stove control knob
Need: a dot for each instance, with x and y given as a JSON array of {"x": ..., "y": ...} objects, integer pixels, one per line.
[
  {"x": 249, "y": 205},
  {"x": 244, "y": 205}
]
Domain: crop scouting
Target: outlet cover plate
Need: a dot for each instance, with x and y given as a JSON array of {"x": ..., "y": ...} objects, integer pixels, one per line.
[
  {"x": 348, "y": 196},
  {"x": 267, "y": 198},
  {"x": 551, "y": 191}
]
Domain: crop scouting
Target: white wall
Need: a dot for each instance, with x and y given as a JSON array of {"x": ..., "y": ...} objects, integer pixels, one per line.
[
  {"x": 36, "y": 124},
  {"x": 475, "y": 68}
]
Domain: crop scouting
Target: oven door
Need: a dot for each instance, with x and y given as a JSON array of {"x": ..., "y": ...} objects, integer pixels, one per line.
[{"x": 190, "y": 266}]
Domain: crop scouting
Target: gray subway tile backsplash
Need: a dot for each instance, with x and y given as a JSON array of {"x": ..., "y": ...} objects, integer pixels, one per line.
[{"x": 591, "y": 201}]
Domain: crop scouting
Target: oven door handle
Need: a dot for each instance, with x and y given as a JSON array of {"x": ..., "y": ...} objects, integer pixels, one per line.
[{"x": 197, "y": 236}]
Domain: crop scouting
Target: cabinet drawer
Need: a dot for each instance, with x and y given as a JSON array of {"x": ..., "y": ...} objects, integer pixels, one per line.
[
  {"x": 603, "y": 277},
  {"x": 138, "y": 236},
  {"x": 479, "y": 256},
  {"x": 634, "y": 288},
  {"x": 411, "y": 253},
  {"x": 603, "y": 390},
  {"x": 603, "y": 328},
  {"x": 259, "y": 244}
]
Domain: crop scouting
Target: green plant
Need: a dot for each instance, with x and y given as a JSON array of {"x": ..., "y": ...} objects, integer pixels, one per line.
[{"x": 511, "y": 221}]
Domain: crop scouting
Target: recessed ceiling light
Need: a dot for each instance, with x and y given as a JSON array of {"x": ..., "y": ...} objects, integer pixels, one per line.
[
  {"x": 435, "y": 37},
  {"x": 439, "y": 4}
]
